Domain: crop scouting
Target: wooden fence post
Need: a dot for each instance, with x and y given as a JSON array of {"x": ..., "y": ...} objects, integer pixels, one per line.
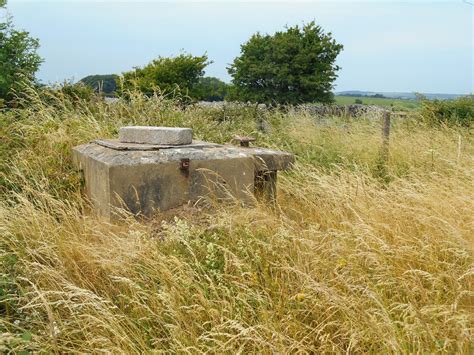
[{"x": 385, "y": 135}]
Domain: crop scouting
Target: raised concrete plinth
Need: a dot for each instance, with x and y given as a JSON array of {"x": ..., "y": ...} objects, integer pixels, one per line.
[
  {"x": 156, "y": 135},
  {"x": 162, "y": 177}
]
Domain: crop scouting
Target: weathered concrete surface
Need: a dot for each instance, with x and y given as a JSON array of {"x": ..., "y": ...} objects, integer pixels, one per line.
[
  {"x": 96, "y": 176},
  {"x": 156, "y": 135},
  {"x": 269, "y": 159},
  {"x": 145, "y": 181},
  {"x": 117, "y": 145}
]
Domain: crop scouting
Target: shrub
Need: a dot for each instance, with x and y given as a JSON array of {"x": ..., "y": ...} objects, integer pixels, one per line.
[
  {"x": 175, "y": 75},
  {"x": 289, "y": 67},
  {"x": 19, "y": 60},
  {"x": 459, "y": 111}
]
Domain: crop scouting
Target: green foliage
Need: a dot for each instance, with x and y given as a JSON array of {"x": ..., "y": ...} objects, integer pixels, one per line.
[
  {"x": 289, "y": 67},
  {"x": 358, "y": 101},
  {"x": 106, "y": 84},
  {"x": 174, "y": 75},
  {"x": 210, "y": 89},
  {"x": 18, "y": 59},
  {"x": 457, "y": 112}
]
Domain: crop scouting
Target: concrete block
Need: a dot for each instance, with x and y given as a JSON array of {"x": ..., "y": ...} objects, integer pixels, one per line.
[
  {"x": 156, "y": 135},
  {"x": 157, "y": 179}
]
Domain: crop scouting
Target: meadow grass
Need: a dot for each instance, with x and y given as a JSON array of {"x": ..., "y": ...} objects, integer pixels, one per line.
[
  {"x": 358, "y": 255},
  {"x": 397, "y": 104}
]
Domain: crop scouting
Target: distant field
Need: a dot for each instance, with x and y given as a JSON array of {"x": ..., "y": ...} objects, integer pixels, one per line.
[{"x": 384, "y": 102}]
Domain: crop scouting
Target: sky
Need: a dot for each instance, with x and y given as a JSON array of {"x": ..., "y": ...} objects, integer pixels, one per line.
[{"x": 390, "y": 46}]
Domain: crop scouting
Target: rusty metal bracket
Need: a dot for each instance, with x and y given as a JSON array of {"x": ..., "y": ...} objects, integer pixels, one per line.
[{"x": 184, "y": 165}]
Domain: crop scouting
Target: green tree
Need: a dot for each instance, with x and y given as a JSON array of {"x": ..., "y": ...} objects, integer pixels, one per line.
[
  {"x": 210, "y": 89},
  {"x": 289, "y": 67},
  {"x": 19, "y": 60},
  {"x": 178, "y": 74}
]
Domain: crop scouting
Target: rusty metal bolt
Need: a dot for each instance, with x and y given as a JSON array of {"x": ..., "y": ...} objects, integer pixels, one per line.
[
  {"x": 184, "y": 166},
  {"x": 244, "y": 140}
]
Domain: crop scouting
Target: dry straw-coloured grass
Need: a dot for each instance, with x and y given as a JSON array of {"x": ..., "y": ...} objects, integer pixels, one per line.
[{"x": 349, "y": 260}]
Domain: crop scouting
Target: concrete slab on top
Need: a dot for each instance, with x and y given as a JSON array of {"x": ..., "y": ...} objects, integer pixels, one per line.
[
  {"x": 156, "y": 135},
  {"x": 117, "y": 145}
]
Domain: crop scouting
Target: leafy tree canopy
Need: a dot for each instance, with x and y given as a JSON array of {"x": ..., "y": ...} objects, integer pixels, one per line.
[
  {"x": 210, "y": 89},
  {"x": 19, "y": 60},
  {"x": 178, "y": 74},
  {"x": 290, "y": 67},
  {"x": 101, "y": 83}
]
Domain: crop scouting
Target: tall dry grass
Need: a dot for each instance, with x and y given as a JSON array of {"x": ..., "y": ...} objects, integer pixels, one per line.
[{"x": 349, "y": 261}]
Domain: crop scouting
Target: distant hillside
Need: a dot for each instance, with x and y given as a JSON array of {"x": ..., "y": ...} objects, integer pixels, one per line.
[
  {"x": 398, "y": 95},
  {"x": 104, "y": 83}
]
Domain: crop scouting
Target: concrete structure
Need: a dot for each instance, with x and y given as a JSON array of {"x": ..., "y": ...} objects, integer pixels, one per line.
[
  {"x": 147, "y": 177},
  {"x": 156, "y": 135}
]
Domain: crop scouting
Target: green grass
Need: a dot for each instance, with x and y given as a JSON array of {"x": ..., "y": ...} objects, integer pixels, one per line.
[
  {"x": 359, "y": 255},
  {"x": 397, "y": 104}
]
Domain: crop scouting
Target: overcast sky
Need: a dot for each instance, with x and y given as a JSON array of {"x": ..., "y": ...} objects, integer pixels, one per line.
[{"x": 423, "y": 46}]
